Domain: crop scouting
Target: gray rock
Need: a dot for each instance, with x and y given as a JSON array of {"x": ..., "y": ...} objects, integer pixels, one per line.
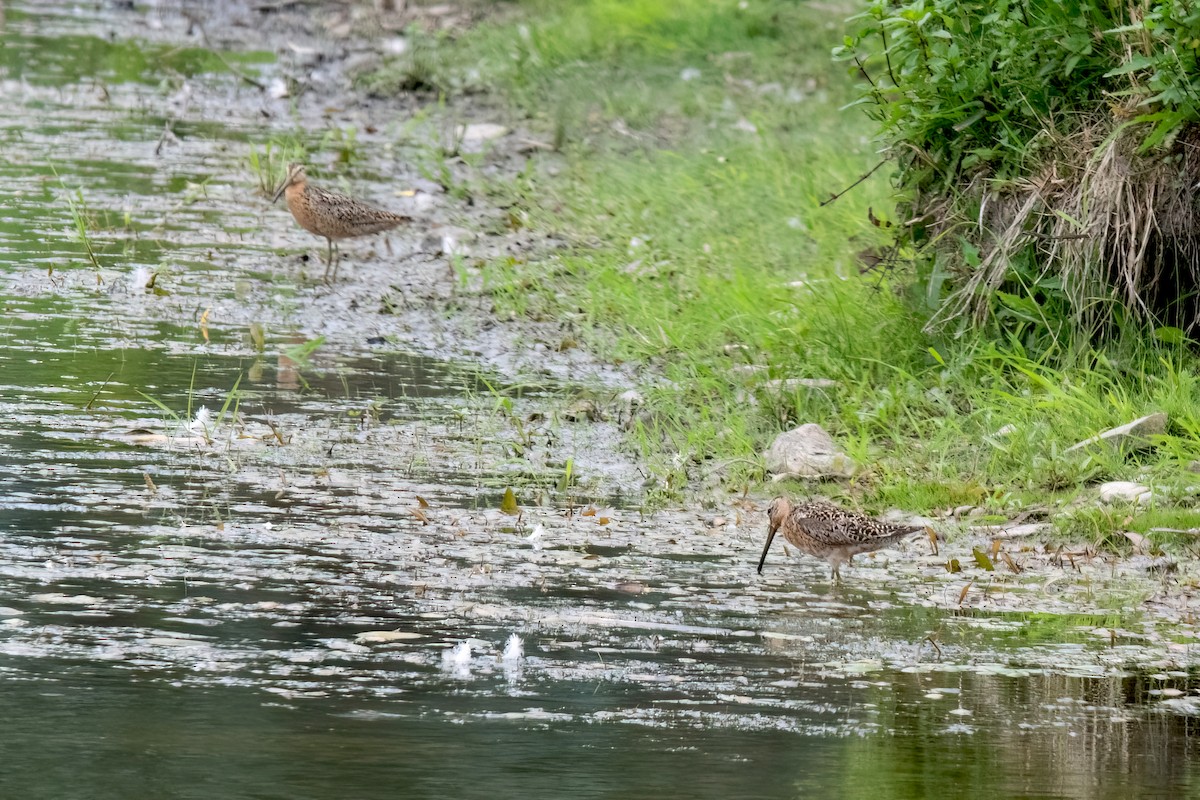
[
  {"x": 1147, "y": 563},
  {"x": 808, "y": 452},
  {"x": 1017, "y": 531},
  {"x": 1131, "y": 435}
]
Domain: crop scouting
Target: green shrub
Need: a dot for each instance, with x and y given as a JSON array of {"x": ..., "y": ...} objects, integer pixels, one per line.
[{"x": 1042, "y": 156}]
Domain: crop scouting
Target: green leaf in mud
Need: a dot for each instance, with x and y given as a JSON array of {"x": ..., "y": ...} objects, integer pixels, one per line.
[
  {"x": 509, "y": 504},
  {"x": 258, "y": 337},
  {"x": 564, "y": 482},
  {"x": 953, "y": 566},
  {"x": 982, "y": 560},
  {"x": 301, "y": 352}
]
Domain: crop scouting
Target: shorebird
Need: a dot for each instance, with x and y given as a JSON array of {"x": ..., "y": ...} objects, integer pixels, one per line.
[
  {"x": 826, "y": 531},
  {"x": 330, "y": 214}
]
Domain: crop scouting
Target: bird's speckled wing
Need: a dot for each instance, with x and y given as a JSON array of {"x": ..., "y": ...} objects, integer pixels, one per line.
[
  {"x": 835, "y": 527},
  {"x": 340, "y": 216}
]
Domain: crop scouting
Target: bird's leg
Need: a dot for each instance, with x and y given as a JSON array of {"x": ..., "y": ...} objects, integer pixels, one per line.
[
  {"x": 337, "y": 260},
  {"x": 837, "y": 575},
  {"x": 328, "y": 259}
]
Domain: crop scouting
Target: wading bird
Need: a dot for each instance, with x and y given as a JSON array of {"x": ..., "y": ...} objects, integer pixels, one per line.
[
  {"x": 826, "y": 531},
  {"x": 332, "y": 215}
]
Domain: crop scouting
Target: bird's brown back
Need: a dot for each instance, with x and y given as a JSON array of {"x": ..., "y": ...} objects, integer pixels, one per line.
[{"x": 336, "y": 216}]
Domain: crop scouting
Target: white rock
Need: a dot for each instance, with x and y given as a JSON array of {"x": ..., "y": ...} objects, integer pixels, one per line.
[
  {"x": 689, "y": 74},
  {"x": 1131, "y": 434},
  {"x": 808, "y": 452},
  {"x": 480, "y": 132},
  {"x": 1125, "y": 492}
]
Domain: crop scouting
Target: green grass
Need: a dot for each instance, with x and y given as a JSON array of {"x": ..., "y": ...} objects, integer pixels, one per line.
[{"x": 698, "y": 246}]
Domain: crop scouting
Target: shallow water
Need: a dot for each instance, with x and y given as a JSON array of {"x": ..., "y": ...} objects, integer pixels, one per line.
[{"x": 309, "y": 591}]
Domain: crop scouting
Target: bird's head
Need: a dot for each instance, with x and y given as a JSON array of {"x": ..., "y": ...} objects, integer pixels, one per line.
[
  {"x": 295, "y": 175},
  {"x": 776, "y": 513}
]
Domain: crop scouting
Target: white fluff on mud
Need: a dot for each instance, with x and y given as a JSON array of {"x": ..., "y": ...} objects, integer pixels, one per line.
[
  {"x": 514, "y": 650},
  {"x": 202, "y": 423},
  {"x": 535, "y": 538},
  {"x": 511, "y": 660},
  {"x": 457, "y": 659}
]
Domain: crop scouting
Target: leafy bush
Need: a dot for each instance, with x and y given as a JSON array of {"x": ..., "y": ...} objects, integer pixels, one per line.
[{"x": 1041, "y": 153}]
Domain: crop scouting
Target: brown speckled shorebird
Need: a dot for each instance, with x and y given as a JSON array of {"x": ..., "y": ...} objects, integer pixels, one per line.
[
  {"x": 826, "y": 531},
  {"x": 332, "y": 215}
]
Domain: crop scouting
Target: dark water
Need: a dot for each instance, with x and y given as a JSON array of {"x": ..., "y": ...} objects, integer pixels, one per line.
[{"x": 184, "y": 598}]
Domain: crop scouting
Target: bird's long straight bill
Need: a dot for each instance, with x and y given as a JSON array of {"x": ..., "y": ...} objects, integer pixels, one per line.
[
  {"x": 279, "y": 193},
  {"x": 766, "y": 547}
]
